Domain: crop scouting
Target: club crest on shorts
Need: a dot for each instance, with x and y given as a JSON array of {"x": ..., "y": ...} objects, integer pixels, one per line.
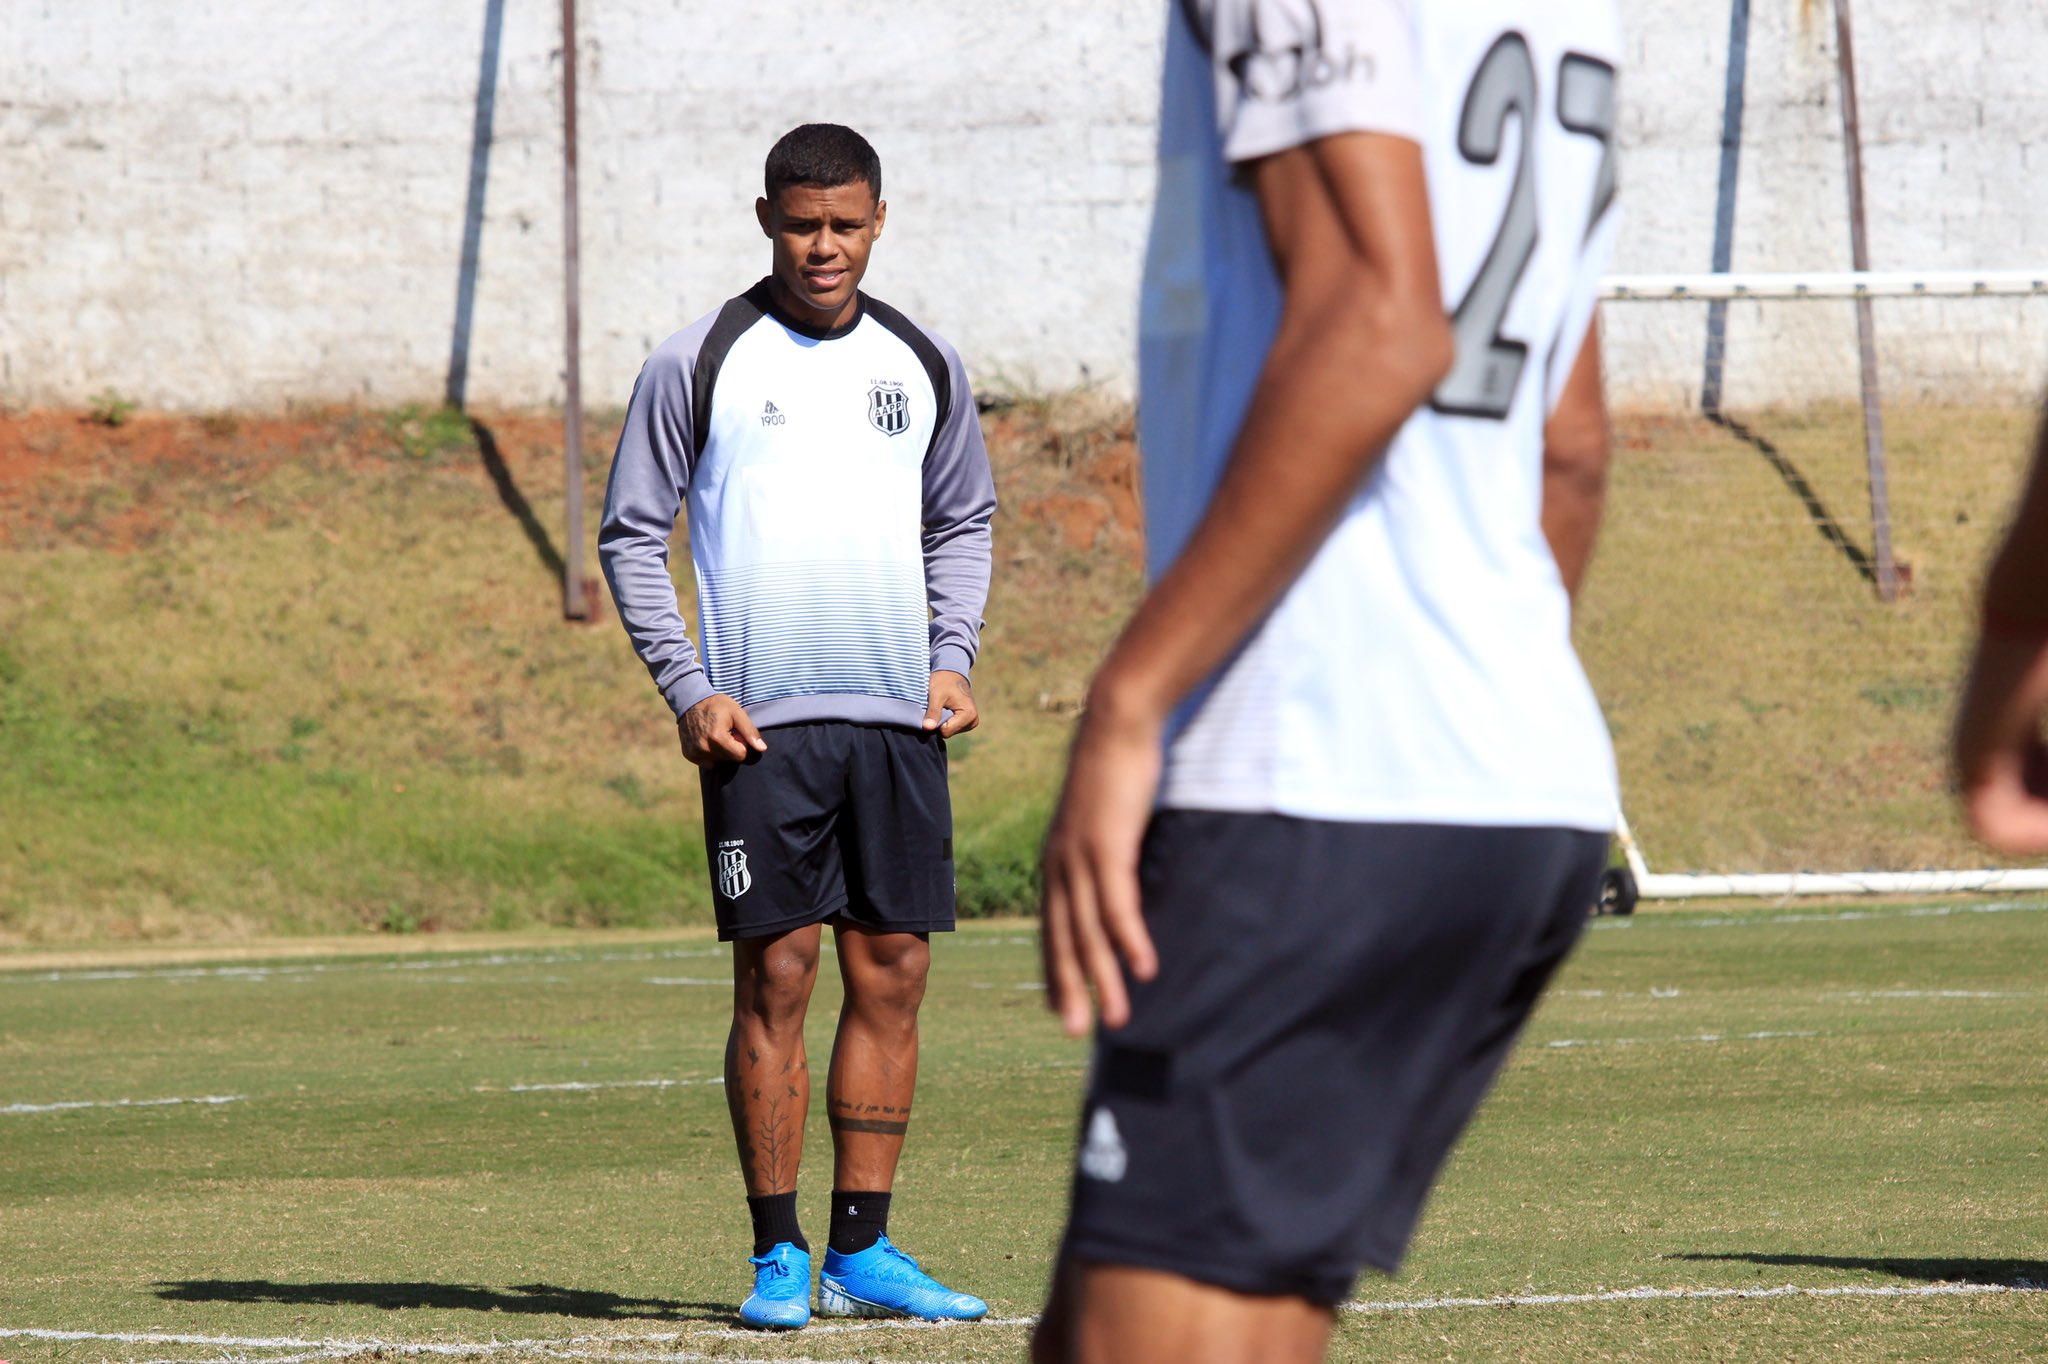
[
  {"x": 734, "y": 880},
  {"x": 888, "y": 408}
]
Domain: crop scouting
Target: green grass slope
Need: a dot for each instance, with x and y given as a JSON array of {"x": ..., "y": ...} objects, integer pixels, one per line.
[
  {"x": 311, "y": 675},
  {"x": 1769, "y": 712}
]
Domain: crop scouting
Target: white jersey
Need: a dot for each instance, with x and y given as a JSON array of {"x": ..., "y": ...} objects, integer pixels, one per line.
[
  {"x": 1421, "y": 668},
  {"x": 839, "y": 500}
]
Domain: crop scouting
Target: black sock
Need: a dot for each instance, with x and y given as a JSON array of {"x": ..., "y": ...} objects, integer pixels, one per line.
[
  {"x": 858, "y": 1220},
  {"x": 775, "y": 1222}
]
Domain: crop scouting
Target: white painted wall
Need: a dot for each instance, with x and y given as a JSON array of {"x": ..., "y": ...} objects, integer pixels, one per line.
[{"x": 209, "y": 203}]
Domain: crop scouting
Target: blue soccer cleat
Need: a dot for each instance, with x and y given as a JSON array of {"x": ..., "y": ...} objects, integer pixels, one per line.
[
  {"x": 882, "y": 1281},
  {"x": 781, "y": 1300}
]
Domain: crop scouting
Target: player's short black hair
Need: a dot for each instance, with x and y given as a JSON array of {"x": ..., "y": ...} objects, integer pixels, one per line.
[{"x": 822, "y": 154}]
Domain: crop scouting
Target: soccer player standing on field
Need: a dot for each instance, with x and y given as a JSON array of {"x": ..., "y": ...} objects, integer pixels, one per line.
[
  {"x": 839, "y": 501},
  {"x": 1340, "y": 798}
]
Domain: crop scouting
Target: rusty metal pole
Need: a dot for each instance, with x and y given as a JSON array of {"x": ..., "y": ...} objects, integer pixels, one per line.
[
  {"x": 574, "y": 607},
  {"x": 1866, "y": 339}
]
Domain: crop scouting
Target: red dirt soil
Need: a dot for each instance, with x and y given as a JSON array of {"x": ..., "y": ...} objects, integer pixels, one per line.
[{"x": 66, "y": 478}]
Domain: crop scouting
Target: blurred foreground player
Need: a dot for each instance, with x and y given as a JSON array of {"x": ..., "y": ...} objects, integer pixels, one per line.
[
  {"x": 2001, "y": 762},
  {"x": 839, "y": 501},
  {"x": 1340, "y": 798}
]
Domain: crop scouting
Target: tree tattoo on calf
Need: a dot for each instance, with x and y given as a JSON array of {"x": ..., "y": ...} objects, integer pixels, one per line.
[{"x": 767, "y": 1116}]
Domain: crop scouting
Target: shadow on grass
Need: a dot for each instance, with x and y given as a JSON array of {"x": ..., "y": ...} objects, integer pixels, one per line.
[
  {"x": 1988, "y": 1273},
  {"x": 1817, "y": 511},
  {"x": 537, "y": 1299},
  {"x": 514, "y": 500}
]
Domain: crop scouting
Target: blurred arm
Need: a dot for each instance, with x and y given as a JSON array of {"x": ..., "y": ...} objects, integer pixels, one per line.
[
  {"x": 2001, "y": 763},
  {"x": 1575, "y": 454}
]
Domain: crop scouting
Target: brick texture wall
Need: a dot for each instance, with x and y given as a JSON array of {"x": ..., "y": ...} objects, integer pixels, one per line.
[{"x": 257, "y": 202}]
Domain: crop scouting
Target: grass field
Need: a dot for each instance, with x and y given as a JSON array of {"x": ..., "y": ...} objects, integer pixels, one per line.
[
  {"x": 285, "y": 702},
  {"x": 524, "y": 1140}
]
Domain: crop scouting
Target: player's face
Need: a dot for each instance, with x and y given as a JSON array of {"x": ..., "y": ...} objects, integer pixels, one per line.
[{"x": 822, "y": 236}]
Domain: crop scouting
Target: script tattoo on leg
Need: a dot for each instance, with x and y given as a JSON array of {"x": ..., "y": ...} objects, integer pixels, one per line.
[{"x": 880, "y": 1119}]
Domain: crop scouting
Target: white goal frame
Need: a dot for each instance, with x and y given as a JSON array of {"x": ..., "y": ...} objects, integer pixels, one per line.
[
  {"x": 1727, "y": 288},
  {"x": 1731, "y": 287}
]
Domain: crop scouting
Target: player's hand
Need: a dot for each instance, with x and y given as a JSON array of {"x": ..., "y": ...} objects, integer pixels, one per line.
[
  {"x": 718, "y": 730},
  {"x": 950, "y": 691},
  {"x": 2001, "y": 762},
  {"x": 1092, "y": 921}
]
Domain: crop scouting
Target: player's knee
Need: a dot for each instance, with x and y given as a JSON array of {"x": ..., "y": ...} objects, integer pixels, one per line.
[
  {"x": 891, "y": 983},
  {"x": 776, "y": 986}
]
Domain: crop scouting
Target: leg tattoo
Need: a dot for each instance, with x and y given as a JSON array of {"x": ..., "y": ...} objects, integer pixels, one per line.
[
  {"x": 767, "y": 1104},
  {"x": 880, "y": 1119}
]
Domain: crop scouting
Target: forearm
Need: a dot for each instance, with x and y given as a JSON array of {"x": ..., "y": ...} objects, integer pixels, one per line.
[
  {"x": 2016, "y": 588},
  {"x": 643, "y": 497},
  {"x": 637, "y": 571},
  {"x": 1574, "y": 498},
  {"x": 957, "y": 572},
  {"x": 2001, "y": 762},
  {"x": 1576, "y": 442}
]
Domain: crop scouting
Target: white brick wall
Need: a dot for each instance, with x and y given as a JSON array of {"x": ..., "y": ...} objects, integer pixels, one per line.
[{"x": 225, "y": 202}]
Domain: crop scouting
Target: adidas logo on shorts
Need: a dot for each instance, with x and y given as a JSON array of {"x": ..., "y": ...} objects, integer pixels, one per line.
[{"x": 1102, "y": 1154}]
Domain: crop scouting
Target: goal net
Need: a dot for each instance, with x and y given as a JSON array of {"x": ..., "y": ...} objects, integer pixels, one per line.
[{"x": 1780, "y": 726}]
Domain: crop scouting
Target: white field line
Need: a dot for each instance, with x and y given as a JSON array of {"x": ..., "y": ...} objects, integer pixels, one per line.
[
  {"x": 578, "y": 1086},
  {"x": 1938, "y": 1290},
  {"x": 567, "y": 1347},
  {"x": 504, "y": 960},
  {"x": 340, "y": 1350},
  {"x": 1659, "y": 992},
  {"x": 688, "y": 980},
  {"x": 347, "y": 1349},
  {"x": 1654, "y": 992},
  {"x": 458, "y": 963},
  {"x": 840, "y": 1328},
  {"x": 1932, "y": 994},
  {"x": 120, "y": 1103},
  {"x": 537, "y": 1348},
  {"x": 581, "y": 1347},
  {"x": 1846, "y": 916},
  {"x": 1563, "y": 1043},
  {"x": 10, "y": 1110}
]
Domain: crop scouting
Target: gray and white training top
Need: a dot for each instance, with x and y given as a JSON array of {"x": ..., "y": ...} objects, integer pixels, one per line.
[{"x": 839, "y": 503}]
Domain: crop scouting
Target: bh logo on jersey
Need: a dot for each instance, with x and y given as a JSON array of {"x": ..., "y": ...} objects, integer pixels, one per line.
[
  {"x": 734, "y": 880},
  {"x": 1287, "y": 57},
  {"x": 888, "y": 408}
]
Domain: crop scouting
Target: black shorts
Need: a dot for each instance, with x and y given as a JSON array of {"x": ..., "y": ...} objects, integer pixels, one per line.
[
  {"x": 834, "y": 820},
  {"x": 1332, "y": 1001}
]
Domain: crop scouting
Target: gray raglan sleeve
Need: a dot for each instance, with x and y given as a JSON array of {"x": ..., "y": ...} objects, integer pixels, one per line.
[
  {"x": 959, "y": 500},
  {"x": 650, "y": 473}
]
